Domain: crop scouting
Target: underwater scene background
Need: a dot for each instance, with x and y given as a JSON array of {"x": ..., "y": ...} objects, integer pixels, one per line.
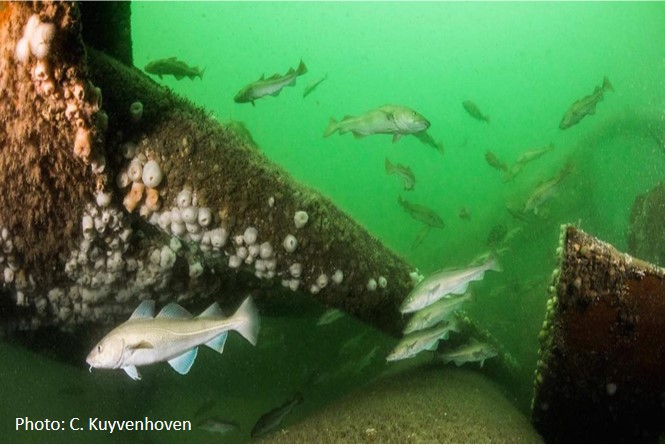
[{"x": 523, "y": 65}]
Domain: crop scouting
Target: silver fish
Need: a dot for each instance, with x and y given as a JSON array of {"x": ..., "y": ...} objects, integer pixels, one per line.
[
  {"x": 545, "y": 190},
  {"x": 214, "y": 425},
  {"x": 585, "y": 106},
  {"x": 172, "y": 336},
  {"x": 474, "y": 351},
  {"x": 403, "y": 172},
  {"x": 445, "y": 282},
  {"x": 436, "y": 312},
  {"x": 273, "y": 418},
  {"x": 389, "y": 119},
  {"x": 330, "y": 316},
  {"x": 426, "y": 340},
  {"x": 534, "y": 154},
  {"x": 270, "y": 86}
]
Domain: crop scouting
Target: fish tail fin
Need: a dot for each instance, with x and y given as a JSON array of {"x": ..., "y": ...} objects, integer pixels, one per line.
[
  {"x": 606, "y": 85},
  {"x": 333, "y": 125},
  {"x": 250, "y": 321},
  {"x": 494, "y": 264},
  {"x": 302, "y": 68},
  {"x": 389, "y": 166}
]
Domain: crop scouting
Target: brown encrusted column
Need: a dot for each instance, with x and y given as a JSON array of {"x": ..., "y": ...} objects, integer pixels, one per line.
[
  {"x": 601, "y": 373},
  {"x": 87, "y": 233}
]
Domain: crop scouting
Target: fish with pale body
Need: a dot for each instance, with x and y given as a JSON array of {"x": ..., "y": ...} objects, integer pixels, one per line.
[
  {"x": 389, "y": 119},
  {"x": 172, "y": 336},
  {"x": 436, "y": 312},
  {"x": 215, "y": 425},
  {"x": 585, "y": 106},
  {"x": 403, "y": 172},
  {"x": 474, "y": 351},
  {"x": 425, "y": 340},
  {"x": 173, "y": 67},
  {"x": 269, "y": 86},
  {"x": 445, "y": 282},
  {"x": 330, "y": 316}
]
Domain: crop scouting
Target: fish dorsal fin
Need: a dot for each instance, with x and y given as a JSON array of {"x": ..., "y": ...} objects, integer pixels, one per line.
[
  {"x": 212, "y": 311},
  {"x": 183, "y": 363},
  {"x": 263, "y": 77},
  {"x": 174, "y": 311},
  {"x": 275, "y": 76},
  {"x": 144, "y": 311},
  {"x": 172, "y": 58},
  {"x": 347, "y": 117}
]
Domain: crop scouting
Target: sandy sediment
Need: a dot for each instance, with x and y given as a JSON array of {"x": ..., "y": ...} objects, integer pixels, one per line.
[{"x": 427, "y": 405}]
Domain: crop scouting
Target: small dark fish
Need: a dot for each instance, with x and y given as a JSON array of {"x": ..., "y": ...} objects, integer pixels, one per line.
[
  {"x": 214, "y": 425},
  {"x": 473, "y": 110},
  {"x": 273, "y": 418},
  {"x": 310, "y": 87},
  {"x": 494, "y": 161},
  {"x": 403, "y": 172},
  {"x": 464, "y": 214},
  {"x": 173, "y": 67},
  {"x": 496, "y": 235},
  {"x": 421, "y": 213},
  {"x": 427, "y": 139},
  {"x": 585, "y": 106}
]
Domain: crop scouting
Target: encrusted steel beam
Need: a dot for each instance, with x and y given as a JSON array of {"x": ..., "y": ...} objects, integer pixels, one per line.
[{"x": 601, "y": 375}]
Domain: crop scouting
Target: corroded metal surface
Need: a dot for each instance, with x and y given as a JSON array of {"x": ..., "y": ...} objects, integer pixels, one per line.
[{"x": 601, "y": 375}]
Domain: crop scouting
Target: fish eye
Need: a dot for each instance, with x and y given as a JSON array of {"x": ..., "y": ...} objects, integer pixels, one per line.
[{"x": 99, "y": 348}]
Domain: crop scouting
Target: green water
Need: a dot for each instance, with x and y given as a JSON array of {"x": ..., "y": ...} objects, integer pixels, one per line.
[{"x": 523, "y": 64}]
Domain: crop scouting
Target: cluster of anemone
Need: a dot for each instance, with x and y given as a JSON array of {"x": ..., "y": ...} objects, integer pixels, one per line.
[
  {"x": 107, "y": 277},
  {"x": 9, "y": 261},
  {"x": 142, "y": 178},
  {"x": 78, "y": 102}
]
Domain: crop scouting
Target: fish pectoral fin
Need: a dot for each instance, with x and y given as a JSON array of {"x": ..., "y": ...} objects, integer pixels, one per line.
[
  {"x": 358, "y": 134},
  {"x": 217, "y": 343},
  {"x": 396, "y": 137},
  {"x": 174, "y": 311},
  {"x": 141, "y": 345},
  {"x": 253, "y": 103},
  {"x": 183, "y": 363},
  {"x": 132, "y": 372}
]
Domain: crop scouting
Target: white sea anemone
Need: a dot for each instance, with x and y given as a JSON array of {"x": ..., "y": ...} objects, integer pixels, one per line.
[
  {"x": 295, "y": 270},
  {"x": 135, "y": 170},
  {"x": 205, "y": 217},
  {"x": 184, "y": 198},
  {"x": 300, "y": 218},
  {"x": 250, "y": 235},
  {"x": 136, "y": 111},
  {"x": 152, "y": 174},
  {"x": 290, "y": 243}
]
